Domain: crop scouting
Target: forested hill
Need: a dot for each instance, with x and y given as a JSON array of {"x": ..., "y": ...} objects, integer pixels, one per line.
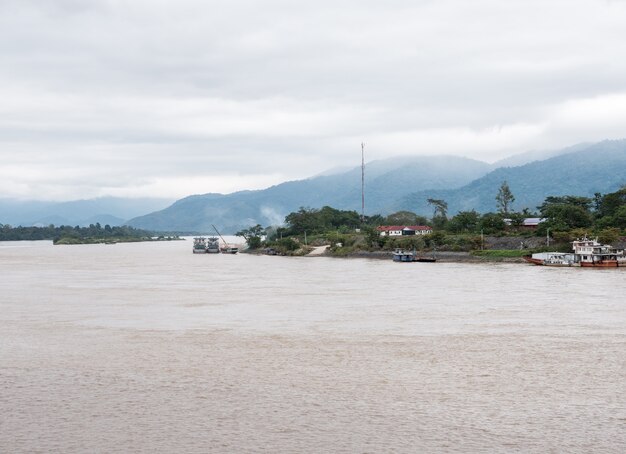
[
  {"x": 386, "y": 182},
  {"x": 595, "y": 168},
  {"x": 404, "y": 184}
]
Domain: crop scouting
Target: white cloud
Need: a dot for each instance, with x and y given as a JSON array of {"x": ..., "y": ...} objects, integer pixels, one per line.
[
  {"x": 125, "y": 98},
  {"x": 606, "y": 113}
]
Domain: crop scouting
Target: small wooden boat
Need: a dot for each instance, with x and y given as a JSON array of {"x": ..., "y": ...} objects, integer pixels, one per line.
[{"x": 400, "y": 255}]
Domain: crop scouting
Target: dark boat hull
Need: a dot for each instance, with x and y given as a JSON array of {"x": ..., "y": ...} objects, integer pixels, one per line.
[{"x": 529, "y": 259}]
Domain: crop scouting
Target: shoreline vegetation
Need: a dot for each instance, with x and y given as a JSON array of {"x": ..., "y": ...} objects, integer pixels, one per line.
[
  {"x": 511, "y": 256},
  {"x": 467, "y": 236},
  {"x": 94, "y": 234},
  {"x": 502, "y": 236},
  {"x": 114, "y": 240}
]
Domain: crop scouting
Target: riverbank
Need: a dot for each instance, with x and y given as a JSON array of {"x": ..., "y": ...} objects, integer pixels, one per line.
[{"x": 441, "y": 256}]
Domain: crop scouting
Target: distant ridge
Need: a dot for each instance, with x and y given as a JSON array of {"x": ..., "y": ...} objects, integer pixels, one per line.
[
  {"x": 105, "y": 210},
  {"x": 537, "y": 155},
  {"x": 593, "y": 168},
  {"x": 403, "y": 183},
  {"x": 386, "y": 181},
  {"x": 406, "y": 184}
]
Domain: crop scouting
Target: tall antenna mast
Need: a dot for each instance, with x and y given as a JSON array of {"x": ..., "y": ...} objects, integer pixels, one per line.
[{"x": 362, "y": 182}]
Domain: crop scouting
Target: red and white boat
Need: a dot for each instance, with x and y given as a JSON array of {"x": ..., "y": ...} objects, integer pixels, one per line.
[
  {"x": 590, "y": 253},
  {"x": 586, "y": 253}
]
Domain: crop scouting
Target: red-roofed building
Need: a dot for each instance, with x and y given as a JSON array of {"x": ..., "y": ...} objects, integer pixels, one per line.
[{"x": 403, "y": 230}]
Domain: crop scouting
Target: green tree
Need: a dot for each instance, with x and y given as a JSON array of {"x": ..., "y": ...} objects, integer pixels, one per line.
[
  {"x": 311, "y": 220},
  {"x": 609, "y": 204},
  {"x": 287, "y": 245},
  {"x": 504, "y": 198},
  {"x": 620, "y": 217},
  {"x": 254, "y": 242},
  {"x": 252, "y": 236},
  {"x": 440, "y": 207},
  {"x": 582, "y": 202},
  {"x": 516, "y": 219},
  {"x": 331, "y": 218},
  {"x": 374, "y": 238},
  {"x": 440, "y": 213},
  {"x": 464, "y": 222},
  {"x": 303, "y": 220},
  {"x": 374, "y": 220},
  {"x": 597, "y": 201},
  {"x": 250, "y": 232},
  {"x": 564, "y": 216},
  {"x": 492, "y": 223},
  {"x": 608, "y": 236}
]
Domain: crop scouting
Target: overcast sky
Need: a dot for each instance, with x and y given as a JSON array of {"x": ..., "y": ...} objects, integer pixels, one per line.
[{"x": 171, "y": 98}]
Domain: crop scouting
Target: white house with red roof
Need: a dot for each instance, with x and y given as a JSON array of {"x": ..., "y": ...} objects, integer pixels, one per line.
[{"x": 404, "y": 230}]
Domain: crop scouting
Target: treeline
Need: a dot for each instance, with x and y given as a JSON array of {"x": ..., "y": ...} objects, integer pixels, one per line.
[
  {"x": 72, "y": 234},
  {"x": 557, "y": 214},
  {"x": 561, "y": 218},
  {"x": 328, "y": 219}
]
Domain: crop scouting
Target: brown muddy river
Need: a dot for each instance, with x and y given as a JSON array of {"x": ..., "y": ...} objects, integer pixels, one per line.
[{"x": 148, "y": 348}]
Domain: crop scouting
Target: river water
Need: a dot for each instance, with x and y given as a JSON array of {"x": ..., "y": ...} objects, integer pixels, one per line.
[{"x": 146, "y": 347}]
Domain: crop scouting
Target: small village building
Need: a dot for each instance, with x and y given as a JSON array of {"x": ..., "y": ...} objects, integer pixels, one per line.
[
  {"x": 527, "y": 223},
  {"x": 404, "y": 230},
  {"x": 532, "y": 223}
]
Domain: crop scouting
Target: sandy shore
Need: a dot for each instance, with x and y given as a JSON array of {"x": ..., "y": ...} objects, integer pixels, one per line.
[{"x": 318, "y": 251}]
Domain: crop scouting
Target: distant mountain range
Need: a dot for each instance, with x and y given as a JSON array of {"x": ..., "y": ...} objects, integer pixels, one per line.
[
  {"x": 406, "y": 184},
  {"x": 387, "y": 181},
  {"x": 594, "y": 168},
  {"x": 537, "y": 155},
  {"x": 390, "y": 185},
  {"x": 105, "y": 210}
]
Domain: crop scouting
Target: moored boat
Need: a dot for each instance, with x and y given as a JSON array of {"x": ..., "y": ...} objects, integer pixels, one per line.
[
  {"x": 400, "y": 255},
  {"x": 592, "y": 254},
  {"x": 212, "y": 245},
  {"x": 551, "y": 259},
  {"x": 586, "y": 253},
  {"x": 199, "y": 245},
  {"x": 227, "y": 248},
  {"x": 403, "y": 256}
]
